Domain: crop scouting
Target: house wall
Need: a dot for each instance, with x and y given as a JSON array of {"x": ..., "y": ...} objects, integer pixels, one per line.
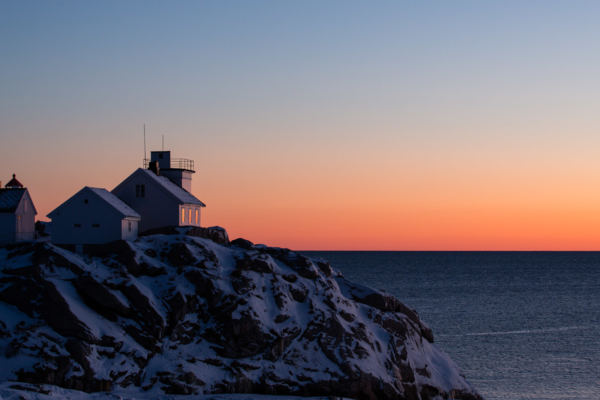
[
  {"x": 157, "y": 208},
  {"x": 77, "y": 212},
  {"x": 8, "y": 224},
  {"x": 19, "y": 225},
  {"x": 180, "y": 177},
  {"x": 26, "y": 228},
  {"x": 186, "y": 221},
  {"x": 127, "y": 234}
]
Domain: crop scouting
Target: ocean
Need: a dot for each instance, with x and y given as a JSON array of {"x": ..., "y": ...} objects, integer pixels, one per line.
[{"x": 521, "y": 325}]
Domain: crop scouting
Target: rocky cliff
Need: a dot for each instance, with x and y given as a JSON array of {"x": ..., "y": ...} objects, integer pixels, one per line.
[{"x": 181, "y": 314}]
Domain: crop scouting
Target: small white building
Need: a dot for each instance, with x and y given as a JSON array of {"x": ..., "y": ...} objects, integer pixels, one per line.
[
  {"x": 162, "y": 194},
  {"x": 17, "y": 213},
  {"x": 93, "y": 216}
]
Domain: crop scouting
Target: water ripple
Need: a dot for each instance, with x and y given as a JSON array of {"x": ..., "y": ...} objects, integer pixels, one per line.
[{"x": 523, "y": 332}]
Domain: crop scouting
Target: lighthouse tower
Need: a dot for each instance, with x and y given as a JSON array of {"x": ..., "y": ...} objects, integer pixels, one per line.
[{"x": 179, "y": 170}]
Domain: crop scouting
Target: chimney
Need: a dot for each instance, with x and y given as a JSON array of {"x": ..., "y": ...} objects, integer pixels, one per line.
[{"x": 153, "y": 166}]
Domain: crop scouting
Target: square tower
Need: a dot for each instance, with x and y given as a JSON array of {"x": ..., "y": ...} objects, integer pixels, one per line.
[{"x": 179, "y": 170}]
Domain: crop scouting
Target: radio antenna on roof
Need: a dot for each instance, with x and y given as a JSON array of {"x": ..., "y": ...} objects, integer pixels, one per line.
[
  {"x": 163, "y": 143},
  {"x": 144, "y": 143}
]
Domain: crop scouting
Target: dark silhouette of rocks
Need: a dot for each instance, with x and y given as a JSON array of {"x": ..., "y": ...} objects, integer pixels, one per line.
[{"x": 180, "y": 314}]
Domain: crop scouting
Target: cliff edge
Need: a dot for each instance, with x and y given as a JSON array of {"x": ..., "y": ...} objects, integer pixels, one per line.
[{"x": 181, "y": 314}]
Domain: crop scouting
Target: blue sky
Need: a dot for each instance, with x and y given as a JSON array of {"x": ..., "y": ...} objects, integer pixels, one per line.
[
  {"x": 401, "y": 61},
  {"x": 346, "y": 91}
]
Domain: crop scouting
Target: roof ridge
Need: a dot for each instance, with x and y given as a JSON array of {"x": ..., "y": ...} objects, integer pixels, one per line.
[
  {"x": 180, "y": 193},
  {"x": 114, "y": 201}
]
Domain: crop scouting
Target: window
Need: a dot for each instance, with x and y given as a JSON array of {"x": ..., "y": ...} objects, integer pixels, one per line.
[
  {"x": 25, "y": 205},
  {"x": 129, "y": 226},
  {"x": 85, "y": 201},
  {"x": 160, "y": 155},
  {"x": 77, "y": 225},
  {"x": 183, "y": 215},
  {"x": 190, "y": 216},
  {"x": 18, "y": 217},
  {"x": 95, "y": 225},
  {"x": 197, "y": 219},
  {"x": 140, "y": 190}
]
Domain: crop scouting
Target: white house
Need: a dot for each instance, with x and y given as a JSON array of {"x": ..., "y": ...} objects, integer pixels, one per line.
[
  {"x": 159, "y": 194},
  {"x": 93, "y": 216},
  {"x": 17, "y": 213}
]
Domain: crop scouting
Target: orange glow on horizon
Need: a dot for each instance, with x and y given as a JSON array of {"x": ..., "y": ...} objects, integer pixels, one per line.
[
  {"x": 396, "y": 126},
  {"x": 508, "y": 229},
  {"x": 376, "y": 206}
]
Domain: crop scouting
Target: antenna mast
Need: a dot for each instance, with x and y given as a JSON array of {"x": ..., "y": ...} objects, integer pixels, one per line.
[
  {"x": 144, "y": 144},
  {"x": 163, "y": 143}
]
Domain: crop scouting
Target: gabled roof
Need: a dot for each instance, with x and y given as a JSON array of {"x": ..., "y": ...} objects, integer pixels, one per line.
[
  {"x": 114, "y": 201},
  {"x": 10, "y": 199},
  {"x": 117, "y": 204},
  {"x": 170, "y": 187},
  {"x": 183, "y": 195}
]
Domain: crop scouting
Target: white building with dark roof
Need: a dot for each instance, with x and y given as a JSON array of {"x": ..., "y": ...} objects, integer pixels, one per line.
[
  {"x": 162, "y": 194},
  {"x": 93, "y": 216},
  {"x": 17, "y": 213}
]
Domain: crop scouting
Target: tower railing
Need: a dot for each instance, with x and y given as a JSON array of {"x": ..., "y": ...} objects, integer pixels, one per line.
[{"x": 176, "y": 163}]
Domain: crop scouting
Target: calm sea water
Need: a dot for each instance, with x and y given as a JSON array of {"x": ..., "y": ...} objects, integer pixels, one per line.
[{"x": 521, "y": 325}]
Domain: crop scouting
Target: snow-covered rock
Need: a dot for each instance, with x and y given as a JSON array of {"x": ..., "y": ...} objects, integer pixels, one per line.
[
  {"x": 179, "y": 314},
  {"x": 214, "y": 233},
  {"x": 25, "y": 391}
]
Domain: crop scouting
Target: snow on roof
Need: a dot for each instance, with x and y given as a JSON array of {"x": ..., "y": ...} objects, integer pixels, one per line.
[
  {"x": 9, "y": 199},
  {"x": 114, "y": 201},
  {"x": 183, "y": 195}
]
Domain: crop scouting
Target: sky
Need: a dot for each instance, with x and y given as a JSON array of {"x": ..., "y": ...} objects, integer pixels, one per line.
[{"x": 338, "y": 125}]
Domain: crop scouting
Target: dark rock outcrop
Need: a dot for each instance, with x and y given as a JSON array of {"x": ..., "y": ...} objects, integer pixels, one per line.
[
  {"x": 179, "y": 314},
  {"x": 214, "y": 233}
]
